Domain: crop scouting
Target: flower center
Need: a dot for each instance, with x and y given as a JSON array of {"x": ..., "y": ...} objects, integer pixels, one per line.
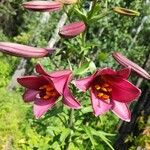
[
  {"x": 48, "y": 91},
  {"x": 103, "y": 91}
]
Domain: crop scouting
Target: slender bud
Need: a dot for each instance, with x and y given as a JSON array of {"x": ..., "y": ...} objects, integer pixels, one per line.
[
  {"x": 125, "y": 12},
  {"x": 23, "y": 50},
  {"x": 67, "y": 1},
  {"x": 72, "y": 30},
  {"x": 128, "y": 63},
  {"x": 43, "y": 6}
]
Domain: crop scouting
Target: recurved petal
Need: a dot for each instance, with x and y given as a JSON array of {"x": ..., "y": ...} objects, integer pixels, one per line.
[
  {"x": 68, "y": 98},
  {"x": 22, "y": 50},
  {"x": 56, "y": 74},
  {"x": 99, "y": 106},
  {"x": 121, "y": 110},
  {"x": 32, "y": 82},
  {"x": 72, "y": 30},
  {"x": 123, "y": 90},
  {"x": 30, "y": 95},
  {"x": 128, "y": 63},
  {"x": 124, "y": 73},
  {"x": 44, "y": 6},
  {"x": 41, "y": 106},
  {"x": 39, "y": 69}
]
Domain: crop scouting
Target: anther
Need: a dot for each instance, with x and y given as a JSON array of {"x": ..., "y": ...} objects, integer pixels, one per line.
[
  {"x": 97, "y": 87},
  {"x": 104, "y": 89},
  {"x": 105, "y": 85},
  {"x": 46, "y": 97},
  {"x": 100, "y": 95},
  {"x": 105, "y": 97}
]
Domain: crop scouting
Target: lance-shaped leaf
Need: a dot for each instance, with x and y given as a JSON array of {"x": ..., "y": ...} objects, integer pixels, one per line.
[
  {"x": 44, "y": 6},
  {"x": 23, "y": 50},
  {"x": 125, "y": 12},
  {"x": 72, "y": 30},
  {"x": 128, "y": 63}
]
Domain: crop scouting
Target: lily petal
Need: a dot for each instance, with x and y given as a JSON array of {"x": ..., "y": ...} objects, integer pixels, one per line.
[
  {"x": 41, "y": 106},
  {"x": 32, "y": 82},
  {"x": 84, "y": 83},
  {"x": 106, "y": 71},
  {"x": 40, "y": 70},
  {"x": 68, "y": 99},
  {"x": 124, "y": 73},
  {"x": 123, "y": 90},
  {"x": 30, "y": 95},
  {"x": 99, "y": 106},
  {"x": 121, "y": 110},
  {"x": 60, "y": 73}
]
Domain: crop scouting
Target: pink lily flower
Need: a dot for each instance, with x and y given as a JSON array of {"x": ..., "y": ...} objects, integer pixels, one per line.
[
  {"x": 43, "y": 6},
  {"x": 110, "y": 89},
  {"x": 46, "y": 88},
  {"x": 128, "y": 63},
  {"x": 24, "y": 50},
  {"x": 72, "y": 30}
]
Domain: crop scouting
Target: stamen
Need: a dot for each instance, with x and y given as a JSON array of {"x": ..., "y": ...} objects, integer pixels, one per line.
[
  {"x": 49, "y": 88},
  {"x": 104, "y": 89},
  {"x": 105, "y": 85},
  {"x": 100, "y": 95},
  {"x": 46, "y": 97},
  {"x": 97, "y": 87},
  {"x": 109, "y": 89},
  {"x": 105, "y": 96}
]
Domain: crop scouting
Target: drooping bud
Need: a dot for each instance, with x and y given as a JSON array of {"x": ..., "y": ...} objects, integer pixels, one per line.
[
  {"x": 67, "y": 1},
  {"x": 72, "y": 30},
  {"x": 20, "y": 50},
  {"x": 128, "y": 63},
  {"x": 125, "y": 12},
  {"x": 43, "y": 6}
]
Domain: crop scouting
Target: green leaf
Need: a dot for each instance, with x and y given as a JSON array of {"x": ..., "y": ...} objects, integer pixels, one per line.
[
  {"x": 83, "y": 69},
  {"x": 89, "y": 66},
  {"x": 89, "y": 134},
  {"x": 65, "y": 133},
  {"x": 80, "y": 14}
]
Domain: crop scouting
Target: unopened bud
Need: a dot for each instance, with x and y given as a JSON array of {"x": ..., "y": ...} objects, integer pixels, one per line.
[
  {"x": 23, "y": 50},
  {"x": 72, "y": 30},
  {"x": 125, "y": 12},
  {"x": 128, "y": 63},
  {"x": 43, "y": 6}
]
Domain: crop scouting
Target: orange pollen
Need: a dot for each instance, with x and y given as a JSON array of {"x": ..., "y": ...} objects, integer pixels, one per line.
[
  {"x": 103, "y": 91},
  {"x": 97, "y": 87},
  {"x": 49, "y": 91}
]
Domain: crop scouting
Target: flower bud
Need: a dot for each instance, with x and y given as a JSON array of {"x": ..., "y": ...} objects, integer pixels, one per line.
[
  {"x": 72, "y": 30},
  {"x": 128, "y": 63},
  {"x": 23, "y": 50},
  {"x": 44, "y": 6},
  {"x": 67, "y": 1},
  {"x": 125, "y": 12}
]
